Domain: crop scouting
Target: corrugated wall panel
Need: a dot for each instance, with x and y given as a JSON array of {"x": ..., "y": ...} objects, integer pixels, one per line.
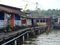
[
  {"x": 29, "y": 23},
  {"x": 17, "y": 22},
  {"x": 3, "y": 23}
]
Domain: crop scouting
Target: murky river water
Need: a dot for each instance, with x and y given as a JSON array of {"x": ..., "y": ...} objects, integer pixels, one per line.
[{"x": 53, "y": 38}]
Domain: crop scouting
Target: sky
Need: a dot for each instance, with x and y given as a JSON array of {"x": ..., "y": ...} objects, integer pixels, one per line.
[{"x": 42, "y": 4}]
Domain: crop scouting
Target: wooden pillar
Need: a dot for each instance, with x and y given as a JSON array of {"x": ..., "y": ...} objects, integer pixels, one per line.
[
  {"x": 39, "y": 31},
  {"x": 27, "y": 35},
  {"x": 12, "y": 20},
  {"x": 15, "y": 42},
  {"x": 23, "y": 38}
]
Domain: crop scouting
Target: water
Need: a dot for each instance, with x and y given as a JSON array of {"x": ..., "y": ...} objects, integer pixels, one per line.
[{"x": 53, "y": 38}]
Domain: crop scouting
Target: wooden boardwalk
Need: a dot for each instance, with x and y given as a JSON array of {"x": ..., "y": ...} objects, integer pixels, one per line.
[
  {"x": 4, "y": 36},
  {"x": 10, "y": 34}
]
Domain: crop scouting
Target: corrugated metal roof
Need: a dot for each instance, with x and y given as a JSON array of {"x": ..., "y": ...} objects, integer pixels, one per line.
[
  {"x": 10, "y": 9},
  {"x": 35, "y": 15},
  {"x": 15, "y": 10}
]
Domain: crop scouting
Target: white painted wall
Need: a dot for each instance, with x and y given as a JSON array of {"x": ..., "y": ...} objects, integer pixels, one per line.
[
  {"x": 17, "y": 22},
  {"x": 6, "y": 16},
  {"x": 58, "y": 20},
  {"x": 35, "y": 21},
  {"x": 28, "y": 21},
  {"x": 3, "y": 23}
]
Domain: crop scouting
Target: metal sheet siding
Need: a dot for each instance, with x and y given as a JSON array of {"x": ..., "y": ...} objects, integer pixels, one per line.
[
  {"x": 17, "y": 22},
  {"x": 28, "y": 21},
  {"x": 3, "y": 23}
]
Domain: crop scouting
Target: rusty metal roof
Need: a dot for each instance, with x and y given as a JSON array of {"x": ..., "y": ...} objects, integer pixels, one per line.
[
  {"x": 36, "y": 16},
  {"x": 16, "y": 10},
  {"x": 10, "y": 9}
]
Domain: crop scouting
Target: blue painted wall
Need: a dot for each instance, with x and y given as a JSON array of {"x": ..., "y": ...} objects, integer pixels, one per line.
[
  {"x": 16, "y": 17},
  {"x": 1, "y": 16}
]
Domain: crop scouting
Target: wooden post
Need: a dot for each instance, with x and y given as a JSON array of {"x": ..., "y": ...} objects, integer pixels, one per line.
[
  {"x": 38, "y": 31},
  {"x": 27, "y": 35},
  {"x": 48, "y": 30},
  {"x": 15, "y": 42},
  {"x": 23, "y": 38}
]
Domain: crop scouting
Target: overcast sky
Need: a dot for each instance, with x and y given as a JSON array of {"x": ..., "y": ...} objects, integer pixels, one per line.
[{"x": 42, "y": 4}]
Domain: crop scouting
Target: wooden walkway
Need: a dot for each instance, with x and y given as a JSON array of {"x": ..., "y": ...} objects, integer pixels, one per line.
[
  {"x": 4, "y": 36},
  {"x": 10, "y": 34}
]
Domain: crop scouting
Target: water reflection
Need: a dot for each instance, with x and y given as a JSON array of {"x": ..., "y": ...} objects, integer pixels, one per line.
[{"x": 53, "y": 38}]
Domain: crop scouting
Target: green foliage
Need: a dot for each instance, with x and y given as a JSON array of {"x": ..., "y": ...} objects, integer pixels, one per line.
[
  {"x": 49, "y": 12},
  {"x": 23, "y": 26}
]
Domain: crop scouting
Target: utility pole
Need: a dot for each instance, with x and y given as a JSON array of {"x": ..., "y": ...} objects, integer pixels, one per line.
[
  {"x": 37, "y": 8},
  {"x": 36, "y": 5}
]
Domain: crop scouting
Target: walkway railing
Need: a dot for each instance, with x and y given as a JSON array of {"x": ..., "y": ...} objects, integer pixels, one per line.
[{"x": 26, "y": 31}]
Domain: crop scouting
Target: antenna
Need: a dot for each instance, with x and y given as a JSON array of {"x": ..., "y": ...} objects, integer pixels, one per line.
[
  {"x": 37, "y": 8},
  {"x": 36, "y": 5}
]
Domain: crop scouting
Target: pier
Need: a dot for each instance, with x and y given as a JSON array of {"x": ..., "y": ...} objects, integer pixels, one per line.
[
  {"x": 17, "y": 26},
  {"x": 7, "y": 38}
]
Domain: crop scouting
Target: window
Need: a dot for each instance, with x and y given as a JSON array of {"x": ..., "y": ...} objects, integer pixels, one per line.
[
  {"x": 37, "y": 20},
  {"x": 56, "y": 20},
  {"x": 17, "y": 17},
  {"x": 23, "y": 21},
  {"x": 1, "y": 16},
  {"x": 43, "y": 20}
]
